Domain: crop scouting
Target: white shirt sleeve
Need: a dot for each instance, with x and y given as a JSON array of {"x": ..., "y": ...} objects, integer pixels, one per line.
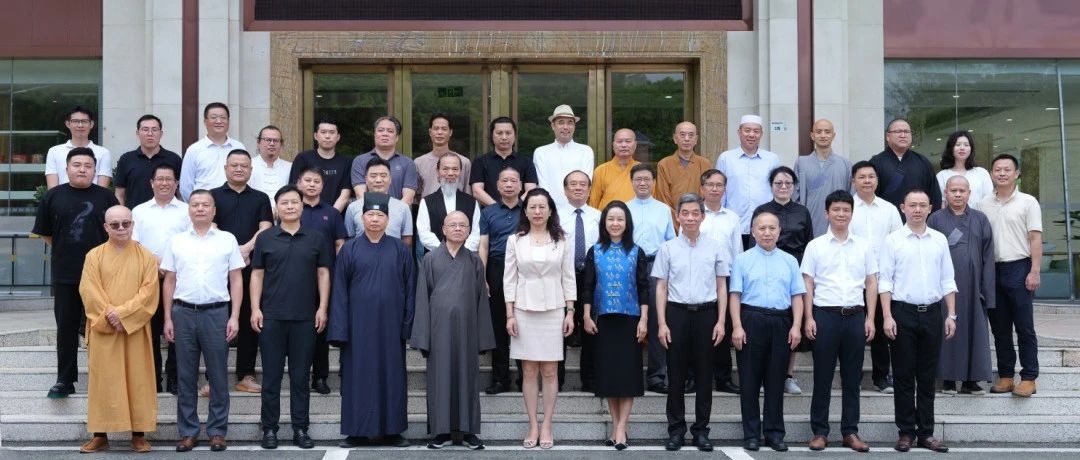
[
  {"x": 472, "y": 243},
  {"x": 423, "y": 228}
]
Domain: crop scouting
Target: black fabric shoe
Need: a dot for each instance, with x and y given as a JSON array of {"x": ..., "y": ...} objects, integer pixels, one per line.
[
  {"x": 301, "y": 439},
  {"x": 395, "y": 440},
  {"x": 972, "y": 388},
  {"x": 269, "y": 440},
  {"x": 61, "y": 390},
  {"x": 674, "y": 443},
  {"x": 472, "y": 441},
  {"x": 948, "y": 387},
  {"x": 354, "y": 441},
  {"x": 320, "y": 386},
  {"x": 440, "y": 441}
]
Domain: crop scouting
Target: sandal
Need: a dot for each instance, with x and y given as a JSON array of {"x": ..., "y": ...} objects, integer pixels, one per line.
[
  {"x": 547, "y": 444},
  {"x": 529, "y": 443}
]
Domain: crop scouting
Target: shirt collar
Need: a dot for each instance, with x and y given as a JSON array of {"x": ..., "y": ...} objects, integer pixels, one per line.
[
  {"x": 228, "y": 141},
  {"x": 564, "y": 146},
  {"x": 281, "y": 231},
  {"x": 69, "y": 145},
  {"x": 833, "y": 237},
  {"x": 763, "y": 252},
  {"x": 1015, "y": 192},
  {"x": 908, "y": 232},
  {"x": 504, "y": 206}
]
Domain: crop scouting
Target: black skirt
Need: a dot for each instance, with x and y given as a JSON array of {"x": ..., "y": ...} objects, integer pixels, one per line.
[{"x": 617, "y": 357}]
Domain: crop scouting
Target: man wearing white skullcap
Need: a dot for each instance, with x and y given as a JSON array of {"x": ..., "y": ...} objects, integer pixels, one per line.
[{"x": 747, "y": 168}]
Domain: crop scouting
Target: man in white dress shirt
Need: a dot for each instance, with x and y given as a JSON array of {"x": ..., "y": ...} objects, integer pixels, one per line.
[
  {"x": 873, "y": 219},
  {"x": 269, "y": 172},
  {"x": 581, "y": 224},
  {"x": 747, "y": 168},
  {"x": 446, "y": 199},
  {"x": 156, "y": 221},
  {"x": 204, "y": 161},
  {"x": 79, "y": 122},
  {"x": 722, "y": 225},
  {"x": 557, "y": 159},
  {"x": 916, "y": 279}
]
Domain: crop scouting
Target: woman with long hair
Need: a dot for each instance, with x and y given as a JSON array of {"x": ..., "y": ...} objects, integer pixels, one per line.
[
  {"x": 616, "y": 290},
  {"x": 958, "y": 159},
  {"x": 540, "y": 290}
]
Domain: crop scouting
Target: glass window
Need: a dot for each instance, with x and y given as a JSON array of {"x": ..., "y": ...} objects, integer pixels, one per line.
[
  {"x": 1070, "y": 93},
  {"x": 537, "y": 96},
  {"x": 36, "y": 94},
  {"x": 356, "y": 101},
  {"x": 459, "y": 96},
  {"x": 651, "y": 103},
  {"x": 1007, "y": 107}
]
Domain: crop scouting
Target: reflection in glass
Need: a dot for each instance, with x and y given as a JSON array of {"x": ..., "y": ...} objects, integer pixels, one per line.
[
  {"x": 356, "y": 101},
  {"x": 461, "y": 98},
  {"x": 1070, "y": 89},
  {"x": 651, "y": 104},
  {"x": 1003, "y": 104},
  {"x": 538, "y": 94}
]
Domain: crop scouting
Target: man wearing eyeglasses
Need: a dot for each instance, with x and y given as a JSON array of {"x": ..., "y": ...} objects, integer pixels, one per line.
[
  {"x": 901, "y": 170},
  {"x": 135, "y": 169},
  {"x": 204, "y": 161},
  {"x": 71, "y": 220},
  {"x": 79, "y": 122},
  {"x": 269, "y": 172}
]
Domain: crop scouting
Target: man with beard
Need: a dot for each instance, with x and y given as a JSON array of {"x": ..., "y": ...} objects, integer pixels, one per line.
[{"x": 446, "y": 199}]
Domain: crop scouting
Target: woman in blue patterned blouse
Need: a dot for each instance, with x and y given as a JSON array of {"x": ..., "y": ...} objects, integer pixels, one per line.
[{"x": 616, "y": 288}]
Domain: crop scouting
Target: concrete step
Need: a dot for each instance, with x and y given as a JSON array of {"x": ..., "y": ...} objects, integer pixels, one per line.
[
  {"x": 573, "y": 402},
  {"x": 45, "y": 355},
  {"x": 29, "y": 378},
  {"x": 593, "y": 428}
]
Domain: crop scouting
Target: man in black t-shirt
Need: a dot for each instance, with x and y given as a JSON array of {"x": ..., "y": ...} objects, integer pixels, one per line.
[
  {"x": 71, "y": 219},
  {"x": 135, "y": 169},
  {"x": 337, "y": 183}
]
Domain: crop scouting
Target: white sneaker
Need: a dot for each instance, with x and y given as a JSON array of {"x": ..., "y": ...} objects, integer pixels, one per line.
[{"x": 791, "y": 386}]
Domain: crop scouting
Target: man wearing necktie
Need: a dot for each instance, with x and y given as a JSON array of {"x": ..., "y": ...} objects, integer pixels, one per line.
[{"x": 585, "y": 230}]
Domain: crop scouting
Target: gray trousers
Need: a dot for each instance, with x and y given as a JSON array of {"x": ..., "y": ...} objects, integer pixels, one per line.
[{"x": 201, "y": 332}]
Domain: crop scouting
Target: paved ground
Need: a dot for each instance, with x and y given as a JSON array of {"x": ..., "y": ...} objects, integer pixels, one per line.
[{"x": 560, "y": 452}]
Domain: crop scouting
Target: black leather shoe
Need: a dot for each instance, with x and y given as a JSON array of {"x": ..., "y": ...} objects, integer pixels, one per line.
[
  {"x": 727, "y": 387},
  {"x": 496, "y": 388},
  {"x": 703, "y": 443},
  {"x": 778, "y": 446},
  {"x": 61, "y": 390},
  {"x": 674, "y": 443},
  {"x": 269, "y": 440},
  {"x": 301, "y": 439},
  {"x": 658, "y": 388},
  {"x": 320, "y": 386},
  {"x": 690, "y": 387},
  {"x": 751, "y": 445},
  {"x": 395, "y": 440},
  {"x": 354, "y": 441}
]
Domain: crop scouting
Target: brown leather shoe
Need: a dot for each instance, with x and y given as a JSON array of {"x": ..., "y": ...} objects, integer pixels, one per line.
[
  {"x": 933, "y": 444},
  {"x": 248, "y": 385},
  {"x": 139, "y": 444},
  {"x": 186, "y": 444},
  {"x": 1003, "y": 385},
  {"x": 852, "y": 441},
  {"x": 95, "y": 444},
  {"x": 1025, "y": 389},
  {"x": 818, "y": 442},
  {"x": 904, "y": 443},
  {"x": 217, "y": 443}
]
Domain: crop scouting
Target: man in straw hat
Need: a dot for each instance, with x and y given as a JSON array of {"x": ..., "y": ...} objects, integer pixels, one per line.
[{"x": 557, "y": 159}]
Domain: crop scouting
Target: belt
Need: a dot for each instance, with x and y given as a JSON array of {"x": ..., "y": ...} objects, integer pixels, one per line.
[
  {"x": 843, "y": 311},
  {"x": 694, "y": 306},
  {"x": 921, "y": 308},
  {"x": 767, "y": 311},
  {"x": 199, "y": 307}
]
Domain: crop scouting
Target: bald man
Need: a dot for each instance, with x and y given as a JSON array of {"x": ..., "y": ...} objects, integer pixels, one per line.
[
  {"x": 611, "y": 180},
  {"x": 820, "y": 173},
  {"x": 680, "y": 172}
]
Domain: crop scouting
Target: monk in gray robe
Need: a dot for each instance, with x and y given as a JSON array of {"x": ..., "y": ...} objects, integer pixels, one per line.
[
  {"x": 966, "y": 357},
  {"x": 451, "y": 328}
]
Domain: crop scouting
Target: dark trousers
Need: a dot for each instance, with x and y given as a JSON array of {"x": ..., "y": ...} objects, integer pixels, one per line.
[
  {"x": 763, "y": 360},
  {"x": 157, "y": 327},
  {"x": 247, "y": 341},
  {"x": 722, "y": 357},
  {"x": 838, "y": 337},
  {"x": 656, "y": 371},
  {"x": 879, "y": 350},
  {"x": 1014, "y": 310},
  {"x": 279, "y": 340},
  {"x": 320, "y": 363},
  {"x": 691, "y": 347},
  {"x": 69, "y": 312},
  {"x": 588, "y": 377},
  {"x": 500, "y": 356},
  {"x": 915, "y": 354}
]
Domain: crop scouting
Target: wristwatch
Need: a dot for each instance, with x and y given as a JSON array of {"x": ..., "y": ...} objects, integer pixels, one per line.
[{"x": 952, "y": 317}]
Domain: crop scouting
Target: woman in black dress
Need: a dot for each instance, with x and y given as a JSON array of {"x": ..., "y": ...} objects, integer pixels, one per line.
[{"x": 616, "y": 289}]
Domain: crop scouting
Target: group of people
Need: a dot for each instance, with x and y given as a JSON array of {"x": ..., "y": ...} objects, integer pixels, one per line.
[{"x": 519, "y": 256}]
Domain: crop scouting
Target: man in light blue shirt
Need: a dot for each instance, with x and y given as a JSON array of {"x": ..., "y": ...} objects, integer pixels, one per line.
[
  {"x": 747, "y": 169},
  {"x": 652, "y": 227},
  {"x": 767, "y": 299}
]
